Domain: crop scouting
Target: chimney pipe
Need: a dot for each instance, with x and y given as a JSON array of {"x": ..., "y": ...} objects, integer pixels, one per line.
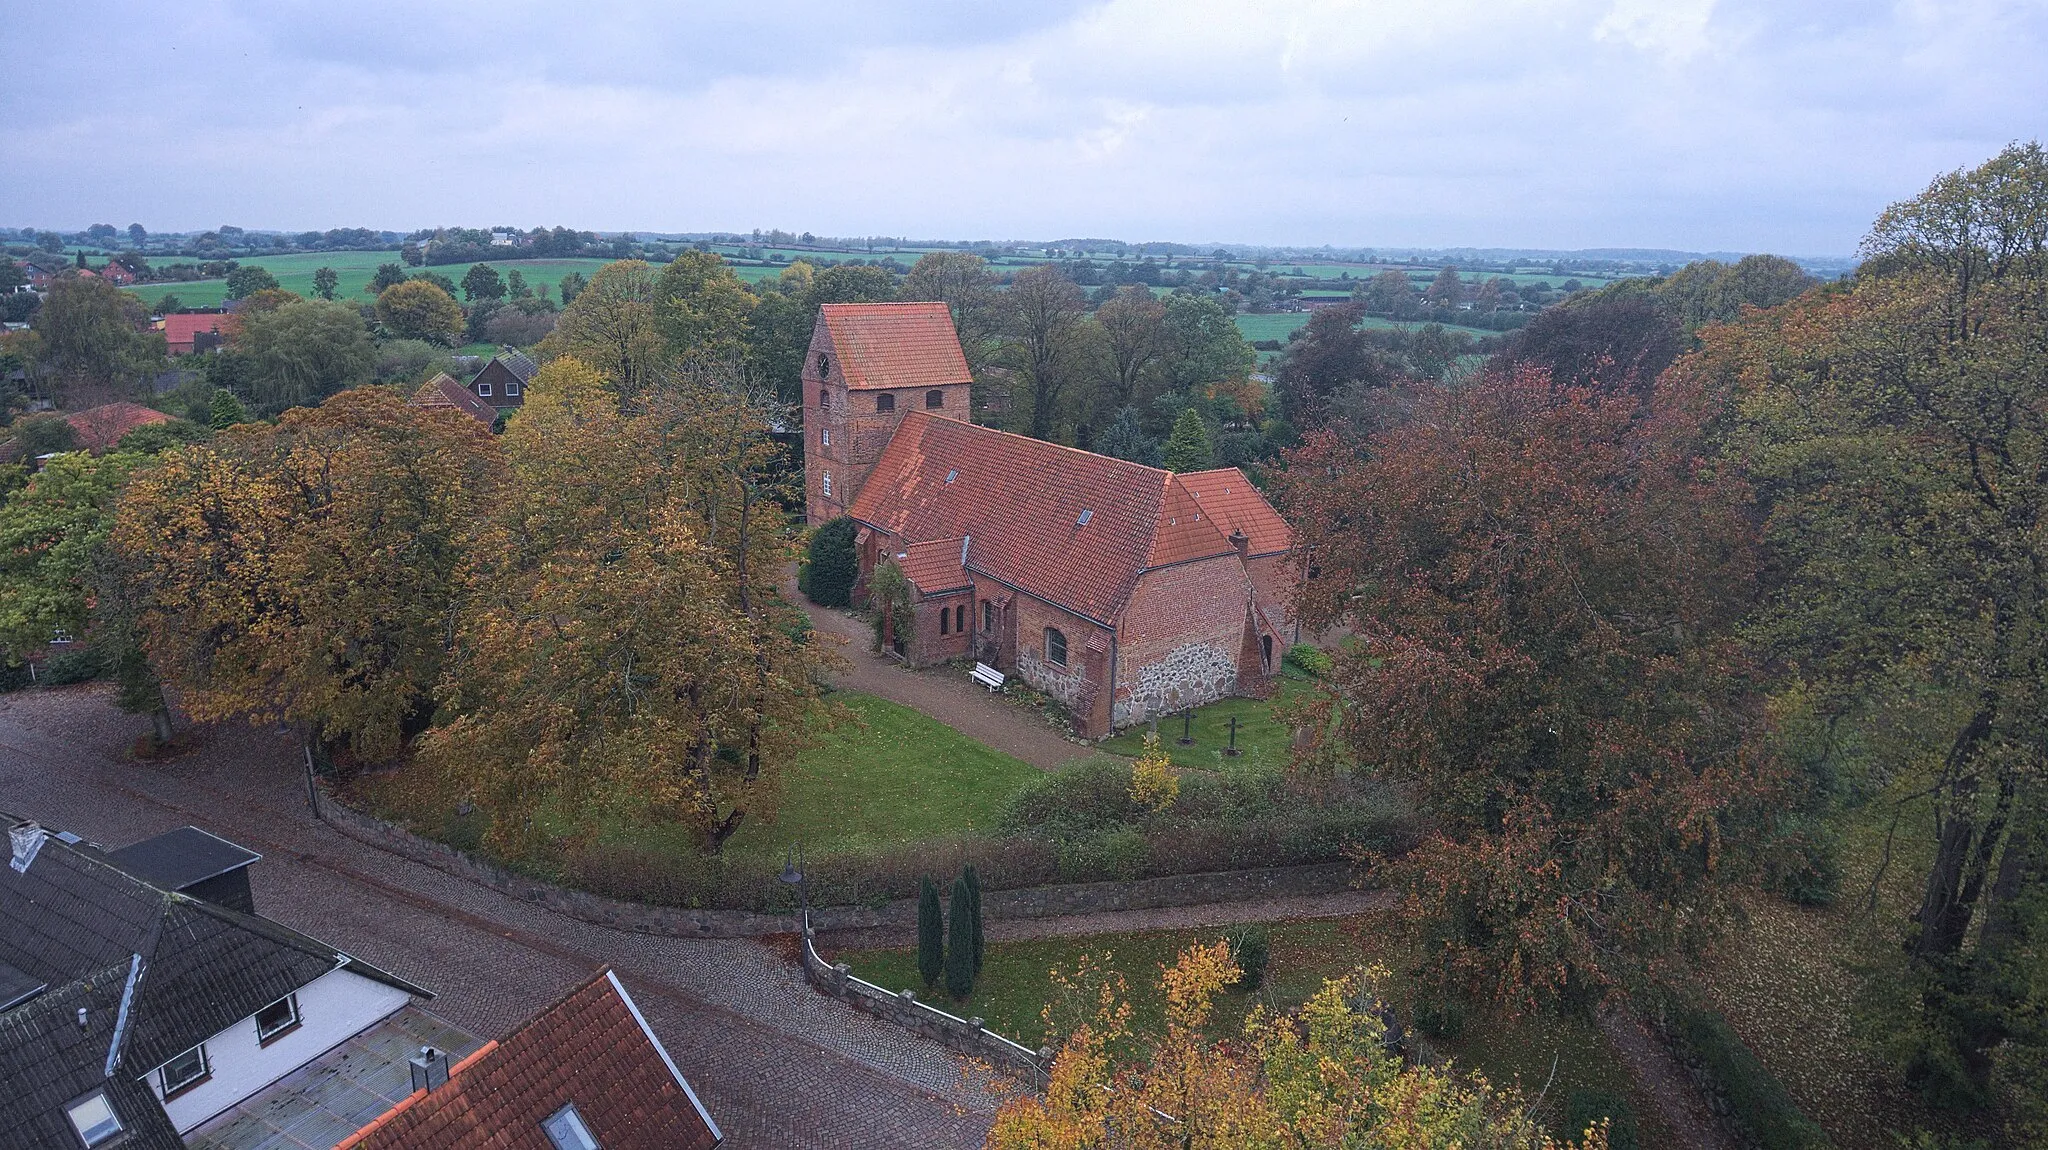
[
  {"x": 430, "y": 1069},
  {"x": 1240, "y": 541}
]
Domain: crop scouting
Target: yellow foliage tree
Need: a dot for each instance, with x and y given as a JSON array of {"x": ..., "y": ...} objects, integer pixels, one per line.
[
  {"x": 611, "y": 327},
  {"x": 1153, "y": 783},
  {"x": 1319, "y": 1077},
  {"x": 625, "y": 655},
  {"x": 304, "y": 572},
  {"x": 417, "y": 309}
]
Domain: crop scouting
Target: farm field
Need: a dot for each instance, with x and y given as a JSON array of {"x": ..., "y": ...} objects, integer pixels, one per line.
[
  {"x": 295, "y": 274},
  {"x": 1274, "y": 325}
]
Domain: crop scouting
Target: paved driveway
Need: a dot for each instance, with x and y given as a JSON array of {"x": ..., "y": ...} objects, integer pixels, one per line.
[{"x": 776, "y": 1064}]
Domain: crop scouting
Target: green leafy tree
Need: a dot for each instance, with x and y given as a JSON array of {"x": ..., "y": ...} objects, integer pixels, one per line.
[
  {"x": 931, "y": 933},
  {"x": 417, "y": 310},
  {"x": 306, "y": 351},
  {"x": 1446, "y": 291},
  {"x": 481, "y": 282},
  {"x": 388, "y": 276},
  {"x": 516, "y": 286},
  {"x": 95, "y": 335},
  {"x": 248, "y": 280},
  {"x": 325, "y": 280},
  {"x": 1188, "y": 448},
  {"x": 1388, "y": 293},
  {"x": 1204, "y": 344},
  {"x": 964, "y": 283},
  {"x": 226, "y": 411},
  {"x": 1135, "y": 337},
  {"x": 1125, "y": 438},
  {"x": 960, "y": 929},
  {"x": 572, "y": 285},
  {"x": 1042, "y": 314},
  {"x": 11, "y": 275},
  {"x": 167, "y": 304},
  {"x": 830, "y": 566},
  {"x": 611, "y": 328},
  {"x": 49, "y": 532},
  {"x": 703, "y": 308},
  {"x": 44, "y": 435}
]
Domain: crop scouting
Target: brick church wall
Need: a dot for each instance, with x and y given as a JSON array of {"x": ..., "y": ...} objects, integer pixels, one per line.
[{"x": 1181, "y": 639}]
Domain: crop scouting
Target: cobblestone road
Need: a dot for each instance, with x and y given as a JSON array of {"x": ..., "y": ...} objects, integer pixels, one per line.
[{"x": 777, "y": 1064}]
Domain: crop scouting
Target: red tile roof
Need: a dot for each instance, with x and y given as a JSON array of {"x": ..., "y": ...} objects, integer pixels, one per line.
[
  {"x": 881, "y": 345},
  {"x": 1235, "y": 504},
  {"x": 934, "y": 566},
  {"x": 1020, "y": 501},
  {"x": 179, "y": 327},
  {"x": 445, "y": 390},
  {"x": 100, "y": 428},
  {"x": 591, "y": 1048}
]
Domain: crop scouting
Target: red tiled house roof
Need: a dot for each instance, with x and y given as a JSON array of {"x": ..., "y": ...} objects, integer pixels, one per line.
[
  {"x": 180, "y": 328},
  {"x": 592, "y": 1049},
  {"x": 1019, "y": 502},
  {"x": 1236, "y": 505},
  {"x": 445, "y": 390},
  {"x": 100, "y": 428},
  {"x": 890, "y": 345},
  {"x": 934, "y": 566}
]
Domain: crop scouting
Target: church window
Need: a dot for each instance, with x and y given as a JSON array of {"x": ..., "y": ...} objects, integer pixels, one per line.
[
  {"x": 885, "y": 402},
  {"x": 825, "y": 436},
  {"x": 988, "y": 616},
  {"x": 828, "y": 483},
  {"x": 960, "y": 617},
  {"x": 945, "y": 617},
  {"x": 822, "y": 397},
  {"x": 1055, "y": 647},
  {"x": 935, "y": 398}
]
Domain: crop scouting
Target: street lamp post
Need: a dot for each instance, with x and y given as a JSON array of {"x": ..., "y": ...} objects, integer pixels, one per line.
[{"x": 793, "y": 875}]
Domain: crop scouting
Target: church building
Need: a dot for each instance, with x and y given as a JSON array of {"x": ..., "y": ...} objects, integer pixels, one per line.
[{"x": 1124, "y": 591}]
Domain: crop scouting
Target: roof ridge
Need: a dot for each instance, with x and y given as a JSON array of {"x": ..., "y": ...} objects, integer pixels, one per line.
[{"x": 1039, "y": 442}]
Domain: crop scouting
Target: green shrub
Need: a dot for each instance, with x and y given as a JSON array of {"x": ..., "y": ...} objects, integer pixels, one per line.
[
  {"x": 830, "y": 567},
  {"x": 1754, "y": 1093},
  {"x": 1310, "y": 660},
  {"x": 1089, "y": 796},
  {"x": 931, "y": 934},
  {"x": 13, "y": 676},
  {"x": 1106, "y": 855},
  {"x": 960, "y": 936},
  {"x": 1443, "y": 1018},
  {"x": 76, "y": 665},
  {"x": 1586, "y": 1106},
  {"x": 1803, "y": 862},
  {"x": 1252, "y": 948}
]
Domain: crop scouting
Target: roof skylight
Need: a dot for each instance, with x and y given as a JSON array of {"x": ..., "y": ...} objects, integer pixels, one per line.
[{"x": 1086, "y": 515}]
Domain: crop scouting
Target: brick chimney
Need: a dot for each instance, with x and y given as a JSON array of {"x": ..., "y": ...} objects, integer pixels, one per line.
[{"x": 1241, "y": 541}]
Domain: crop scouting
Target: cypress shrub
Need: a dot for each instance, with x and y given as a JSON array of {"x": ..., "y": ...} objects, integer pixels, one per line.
[
  {"x": 830, "y": 566},
  {"x": 931, "y": 933},
  {"x": 960, "y": 955},
  {"x": 974, "y": 894}
]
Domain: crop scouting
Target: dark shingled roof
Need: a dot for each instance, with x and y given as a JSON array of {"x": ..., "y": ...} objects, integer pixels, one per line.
[
  {"x": 176, "y": 859},
  {"x": 75, "y": 921},
  {"x": 518, "y": 364}
]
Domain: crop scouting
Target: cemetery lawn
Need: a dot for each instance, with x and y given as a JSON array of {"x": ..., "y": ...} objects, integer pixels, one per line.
[
  {"x": 1264, "y": 739},
  {"x": 1016, "y": 986}
]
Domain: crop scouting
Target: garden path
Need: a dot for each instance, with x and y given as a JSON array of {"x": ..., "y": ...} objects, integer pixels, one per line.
[
  {"x": 1338, "y": 904},
  {"x": 947, "y": 697}
]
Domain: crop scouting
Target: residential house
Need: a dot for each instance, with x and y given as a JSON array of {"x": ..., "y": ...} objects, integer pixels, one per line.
[
  {"x": 99, "y": 429},
  {"x": 1124, "y": 591},
  {"x": 445, "y": 390},
  {"x": 585, "y": 1073},
  {"x": 502, "y": 382},
  {"x": 133, "y": 1008},
  {"x": 118, "y": 274},
  {"x": 190, "y": 333}
]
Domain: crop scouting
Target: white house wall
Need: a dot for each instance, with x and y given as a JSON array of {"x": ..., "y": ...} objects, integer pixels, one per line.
[{"x": 333, "y": 1008}]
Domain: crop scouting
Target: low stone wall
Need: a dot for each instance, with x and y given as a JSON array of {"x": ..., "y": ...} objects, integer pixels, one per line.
[
  {"x": 966, "y": 1035},
  {"x": 1027, "y": 902}
]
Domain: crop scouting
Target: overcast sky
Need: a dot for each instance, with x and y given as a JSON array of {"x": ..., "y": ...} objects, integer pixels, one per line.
[{"x": 1741, "y": 125}]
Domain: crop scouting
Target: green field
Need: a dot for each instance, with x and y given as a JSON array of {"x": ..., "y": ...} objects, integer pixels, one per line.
[
  {"x": 1276, "y": 325},
  {"x": 295, "y": 274}
]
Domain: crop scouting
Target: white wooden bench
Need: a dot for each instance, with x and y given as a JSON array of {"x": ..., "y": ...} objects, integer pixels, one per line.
[{"x": 988, "y": 677}]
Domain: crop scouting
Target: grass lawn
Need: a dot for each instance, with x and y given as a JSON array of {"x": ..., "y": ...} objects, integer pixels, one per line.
[
  {"x": 294, "y": 273},
  {"x": 1264, "y": 739},
  {"x": 888, "y": 775},
  {"x": 1016, "y": 987},
  {"x": 1275, "y": 325}
]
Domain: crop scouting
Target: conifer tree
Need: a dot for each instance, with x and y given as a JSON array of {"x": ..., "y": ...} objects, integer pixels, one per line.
[
  {"x": 1188, "y": 448},
  {"x": 974, "y": 893},
  {"x": 960, "y": 955},
  {"x": 931, "y": 933}
]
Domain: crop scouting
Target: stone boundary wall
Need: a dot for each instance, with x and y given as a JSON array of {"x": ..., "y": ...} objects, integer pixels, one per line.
[
  {"x": 965, "y": 1035},
  {"x": 1027, "y": 902}
]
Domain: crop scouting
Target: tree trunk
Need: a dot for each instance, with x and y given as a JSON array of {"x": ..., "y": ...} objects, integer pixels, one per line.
[
  {"x": 161, "y": 720},
  {"x": 1946, "y": 907}
]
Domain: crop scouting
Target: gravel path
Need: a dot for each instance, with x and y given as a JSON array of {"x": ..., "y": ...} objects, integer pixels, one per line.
[
  {"x": 777, "y": 1064},
  {"x": 941, "y": 694}
]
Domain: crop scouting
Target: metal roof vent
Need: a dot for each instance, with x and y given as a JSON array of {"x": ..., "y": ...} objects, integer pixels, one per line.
[
  {"x": 26, "y": 840},
  {"x": 430, "y": 1069},
  {"x": 1086, "y": 515}
]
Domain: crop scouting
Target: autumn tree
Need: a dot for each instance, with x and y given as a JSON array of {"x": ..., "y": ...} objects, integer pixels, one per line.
[
  {"x": 94, "y": 337},
  {"x": 964, "y": 283},
  {"x": 416, "y": 309},
  {"x": 702, "y": 308},
  {"x": 611, "y": 327},
  {"x": 1042, "y": 313},
  {"x": 1320, "y": 1076},
  {"x": 624, "y": 652},
  {"x": 1609, "y": 339},
  {"x": 1893, "y": 429},
  {"x": 305, "y": 572},
  {"x": 1544, "y": 582},
  {"x": 1134, "y": 334},
  {"x": 1329, "y": 357}
]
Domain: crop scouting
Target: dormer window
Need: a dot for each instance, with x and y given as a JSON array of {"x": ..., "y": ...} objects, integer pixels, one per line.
[
  {"x": 277, "y": 1019},
  {"x": 183, "y": 1072},
  {"x": 885, "y": 402}
]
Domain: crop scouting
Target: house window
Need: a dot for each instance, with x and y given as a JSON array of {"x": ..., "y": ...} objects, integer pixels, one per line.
[
  {"x": 885, "y": 402},
  {"x": 828, "y": 483},
  {"x": 825, "y": 437},
  {"x": 960, "y": 617},
  {"x": 94, "y": 1119},
  {"x": 566, "y": 1130},
  {"x": 511, "y": 387},
  {"x": 988, "y": 616},
  {"x": 277, "y": 1019},
  {"x": 935, "y": 398},
  {"x": 183, "y": 1072},
  {"x": 1055, "y": 647},
  {"x": 484, "y": 389},
  {"x": 945, "y": 614}
]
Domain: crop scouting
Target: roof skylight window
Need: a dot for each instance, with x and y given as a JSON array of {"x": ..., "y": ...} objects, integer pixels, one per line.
[
  {"x": 952, "y": 475},
  {"x": 566, "y": 1130},
  {"x": 94, "y": 1119},
  {"x": 1086, "y": 515}
]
